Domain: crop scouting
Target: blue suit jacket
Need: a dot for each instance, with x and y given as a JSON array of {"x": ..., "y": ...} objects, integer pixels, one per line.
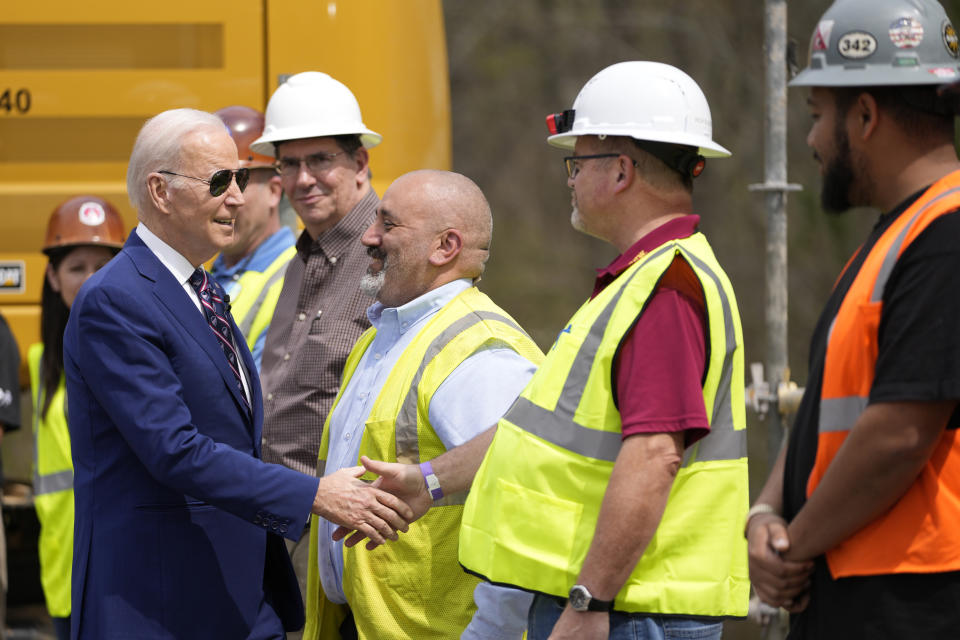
[{"x": 176, "y": 516}]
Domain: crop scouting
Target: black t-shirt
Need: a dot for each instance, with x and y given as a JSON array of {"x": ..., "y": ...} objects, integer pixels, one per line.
[
  {"x": 9, "y": 378},
  {"x": 919, "y": 360},
  {"x": 9, "y": 382}
]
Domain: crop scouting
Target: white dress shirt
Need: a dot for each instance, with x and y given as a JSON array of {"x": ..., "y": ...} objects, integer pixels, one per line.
[{"x": 181, "y": 269}]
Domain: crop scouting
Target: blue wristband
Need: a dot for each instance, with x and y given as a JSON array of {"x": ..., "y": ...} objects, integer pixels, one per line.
[{"x": 433, "y": 485}]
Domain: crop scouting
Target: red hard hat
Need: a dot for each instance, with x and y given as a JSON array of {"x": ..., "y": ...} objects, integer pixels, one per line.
[
  {"x": 245, "y": 125},
  {"x": 84, "y": 220}
]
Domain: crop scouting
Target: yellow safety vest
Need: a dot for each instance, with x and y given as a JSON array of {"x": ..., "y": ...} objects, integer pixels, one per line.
[
  {"x": 52, "y": 489},
  {"x": 533, "y": 508},
  {"x": 256, "y": 297},
  {"x": 414, "y": 588}
]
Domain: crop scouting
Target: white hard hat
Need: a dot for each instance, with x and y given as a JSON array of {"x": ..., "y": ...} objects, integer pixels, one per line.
[
  {"x": 861, "y": 43},
  {"x": 312, "y": 105},
  {"x": 643, "y": 100}
]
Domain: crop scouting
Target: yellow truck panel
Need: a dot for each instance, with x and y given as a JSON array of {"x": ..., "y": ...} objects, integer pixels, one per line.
[{"x": 77, "y": 80}]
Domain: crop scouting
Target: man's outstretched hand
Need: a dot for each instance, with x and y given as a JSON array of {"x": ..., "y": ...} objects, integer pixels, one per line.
[
  {"x": 405, "y": 482},
  {"x": 355, "y": 505}
]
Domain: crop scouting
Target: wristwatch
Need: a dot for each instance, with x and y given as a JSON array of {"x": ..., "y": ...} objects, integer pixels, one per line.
[{"x": 581, "y": 600}]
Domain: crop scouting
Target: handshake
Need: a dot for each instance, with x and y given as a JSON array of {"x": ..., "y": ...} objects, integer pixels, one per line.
[{"x": 376, "y": 510}]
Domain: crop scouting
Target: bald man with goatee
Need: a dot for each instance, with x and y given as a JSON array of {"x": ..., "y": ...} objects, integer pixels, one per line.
[{"x": 440, "y": 360}]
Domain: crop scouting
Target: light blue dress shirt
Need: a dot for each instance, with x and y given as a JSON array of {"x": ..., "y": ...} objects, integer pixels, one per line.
[
  {"x": 472, "y": 399},
  {"x": 259, "y": 260}
]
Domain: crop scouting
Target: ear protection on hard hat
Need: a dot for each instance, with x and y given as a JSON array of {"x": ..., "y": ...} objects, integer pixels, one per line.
[{"x": 684, "y": 159}]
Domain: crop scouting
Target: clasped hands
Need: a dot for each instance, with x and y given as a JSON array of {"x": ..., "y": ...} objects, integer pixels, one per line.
[
  {"x": 376, "y": 510},
  {"x": 779, "y": 576}
]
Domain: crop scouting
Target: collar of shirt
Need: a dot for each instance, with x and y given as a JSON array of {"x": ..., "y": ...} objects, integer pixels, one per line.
[
  {"x": 393, "y": 322},
  {"x": 181, "y": 269},
  {"x": 334, "y": 242},
  {"x": 885, "y": 218},
  {"x": 172, "y": 259},
  {"x": 261, "y": 258},
  {"x": 682, "y": 227}
]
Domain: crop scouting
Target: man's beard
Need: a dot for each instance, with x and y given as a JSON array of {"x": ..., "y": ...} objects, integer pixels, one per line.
[
  {"x": 371, "y": 283},
  {"x": 838, "y": 178},
  {"x": 575, "y": 220}
]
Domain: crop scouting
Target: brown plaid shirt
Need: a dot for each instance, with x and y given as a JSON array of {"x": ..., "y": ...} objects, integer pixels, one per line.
[{"x": 319, "y": 316}]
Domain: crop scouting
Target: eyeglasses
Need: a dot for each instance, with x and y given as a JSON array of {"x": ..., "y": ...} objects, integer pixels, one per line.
[
  {"x": 220, "y": 181},
  {"x": 573, "y": 166},
  {"x": 316, "y": 163}
]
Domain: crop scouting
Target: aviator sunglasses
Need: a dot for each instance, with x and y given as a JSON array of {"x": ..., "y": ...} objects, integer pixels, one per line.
[{"x": 220, "y": 181}]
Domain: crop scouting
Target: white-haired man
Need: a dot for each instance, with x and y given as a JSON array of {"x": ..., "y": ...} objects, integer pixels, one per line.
[{"x": 178, "y": 521}]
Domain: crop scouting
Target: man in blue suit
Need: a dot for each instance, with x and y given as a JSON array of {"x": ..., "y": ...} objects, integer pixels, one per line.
[{"x": 178, "y": 521}]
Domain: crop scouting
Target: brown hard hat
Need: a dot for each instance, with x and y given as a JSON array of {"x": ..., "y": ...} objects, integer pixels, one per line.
[
  {"x": 245, "y": 125},
  {"x": 84, "y": 220}
]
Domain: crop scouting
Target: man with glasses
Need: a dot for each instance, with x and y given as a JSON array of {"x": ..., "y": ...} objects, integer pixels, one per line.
[
  {"x": 315, "y": 131},
  {"x": 615, "y": 487},
  {"x": 178, "y": 521},
  {"x": 251, "y": 269}
]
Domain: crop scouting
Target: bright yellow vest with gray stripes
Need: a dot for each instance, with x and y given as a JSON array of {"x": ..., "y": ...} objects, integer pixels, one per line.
[
  {"x": 52, "y": 489},
  {"x": 414, "y": 588},
  {"x": 533, "y": 507},
  {"x": 257, "y": 294}
]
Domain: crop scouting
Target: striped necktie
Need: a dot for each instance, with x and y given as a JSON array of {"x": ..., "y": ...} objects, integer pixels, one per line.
[{"x": 215, "y": 311}]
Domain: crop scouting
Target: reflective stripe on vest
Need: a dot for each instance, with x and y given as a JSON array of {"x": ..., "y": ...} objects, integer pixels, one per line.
[
  {"x": 254, "y": 296},
  {"x": 53, "y": 492},
  {"x": 246, "y": 323},
  {"x": 385, "y": 600},
  {"x": 49, "y": 482},
  {"x": 839, "y": 414},
  {"x": 533, "y": 509},
  {"x": 408, "y": 447},
  {"x": 559, "y": 427},
  {"x": 914, "y": 534}
]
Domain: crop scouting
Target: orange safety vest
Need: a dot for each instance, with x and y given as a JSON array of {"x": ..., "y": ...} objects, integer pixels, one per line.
[{"x": 921, "y": 532}]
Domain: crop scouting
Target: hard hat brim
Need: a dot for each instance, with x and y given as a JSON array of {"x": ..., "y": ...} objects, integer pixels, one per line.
[
  {"x": 265, "y": 144},
  {"x": 706, "y": 148},
  {"x": 876, "y": 76}
]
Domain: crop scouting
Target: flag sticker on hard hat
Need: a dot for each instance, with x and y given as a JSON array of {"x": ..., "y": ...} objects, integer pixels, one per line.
[
  {"x": 91, "y": 214},
  {"x": 856, "y": 45},
  {"x": 950, "y": 40},
  {"x": 821, "y": 37},
  {"x": 946, "y": 73},
  {"x": 906, "y": 33}
]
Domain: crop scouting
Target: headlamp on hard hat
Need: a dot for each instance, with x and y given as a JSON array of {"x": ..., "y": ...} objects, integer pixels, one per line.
[{"x": 560, "y": 122}]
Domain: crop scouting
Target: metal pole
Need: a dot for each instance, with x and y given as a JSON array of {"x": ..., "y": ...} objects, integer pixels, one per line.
[
  {"x": 775, "y": 190},
  {"x": 775, "y": 172}
]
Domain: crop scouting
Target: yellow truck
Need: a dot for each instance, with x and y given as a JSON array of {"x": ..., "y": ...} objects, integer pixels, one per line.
[{"x": 78, "y": 79}]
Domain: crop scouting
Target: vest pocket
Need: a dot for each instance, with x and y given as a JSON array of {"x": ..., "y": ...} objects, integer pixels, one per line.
[{"x": 542, "y": 526}]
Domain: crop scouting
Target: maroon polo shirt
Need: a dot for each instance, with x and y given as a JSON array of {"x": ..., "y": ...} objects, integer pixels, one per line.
[{"x": 660, "y": 366}]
